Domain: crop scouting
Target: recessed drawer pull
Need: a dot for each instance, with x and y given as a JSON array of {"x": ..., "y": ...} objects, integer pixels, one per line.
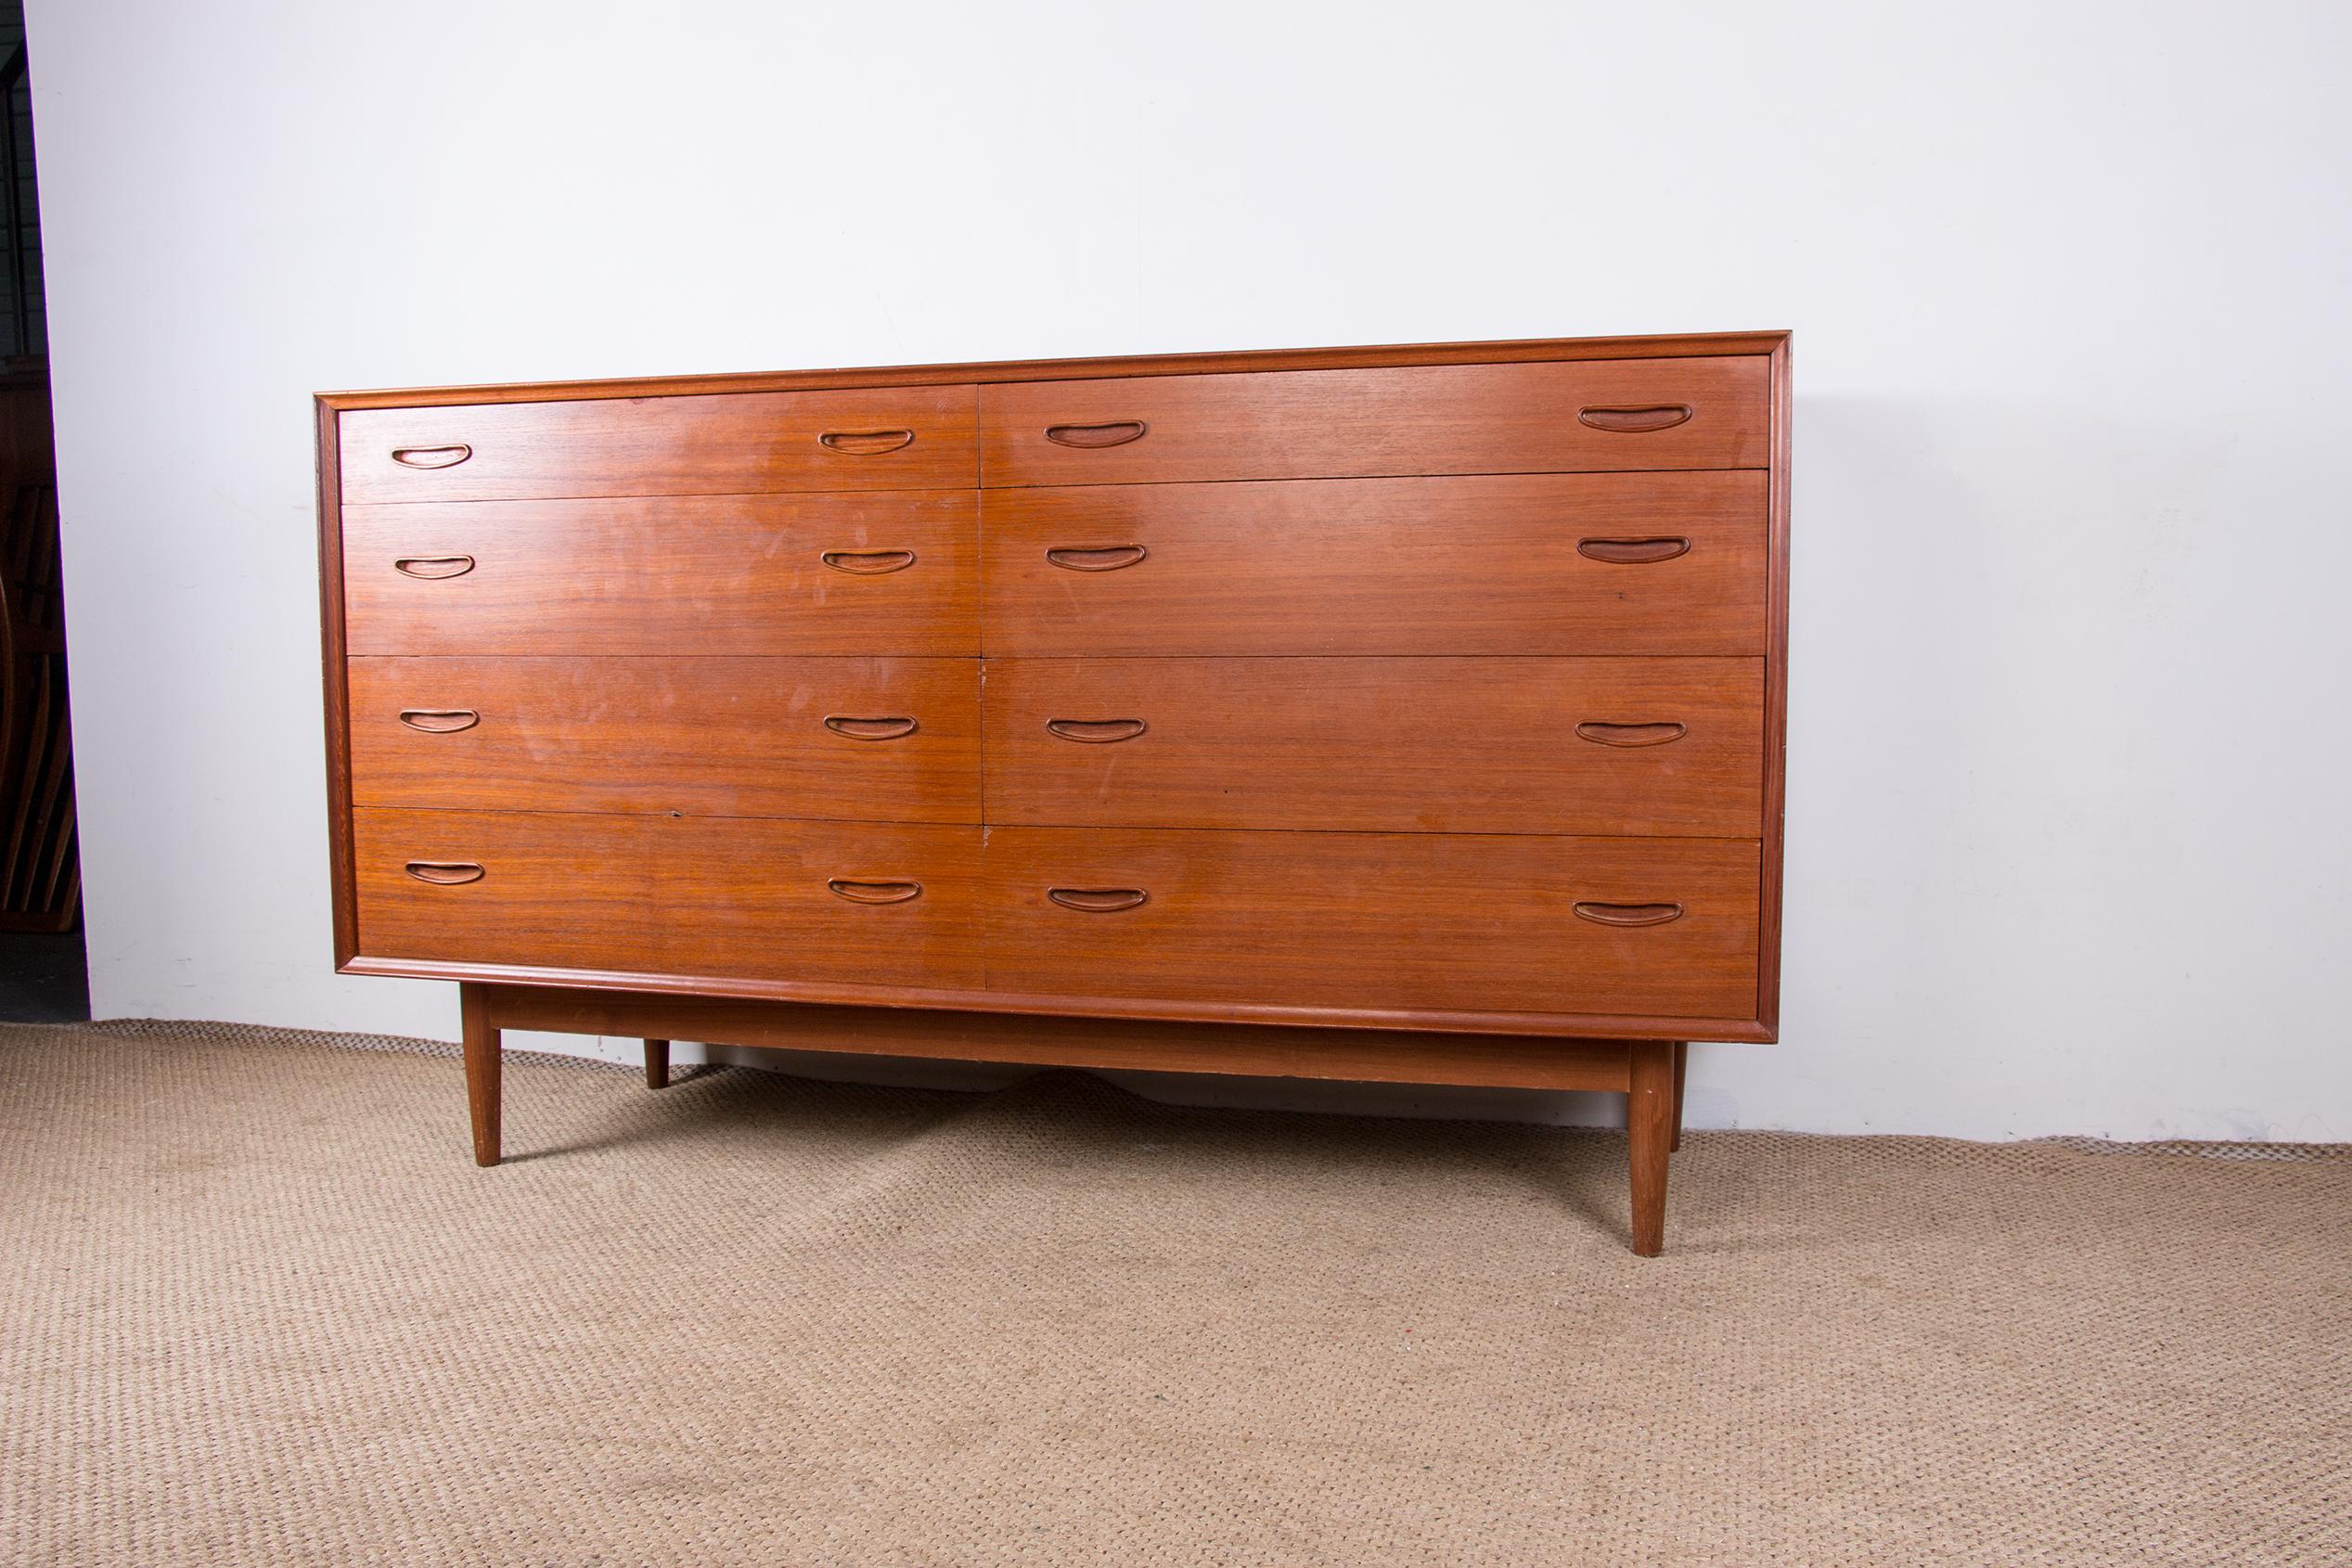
[
  {"x": 431, "y": 457},
  {"x": 1631, "y": 734},
  {"x": 430, "y": 567},
  {"x": 1116, "y": 433},
  {"x": 1097, "y": 732},
  {"x": 439, "y": 721},
  {"x": 866, "y": 444},
  {"x": 1629, "y": 914},
  {"x": 868, "y": 563},
  {"x": 1101, "y": 558},
  {"x": 445, "y": 873},
  {"x": 1098, "y": 900},
  {"x": 1633, "y": 421},
  {"x": 1632, "y": 552},
  {"x": 870, "y": 729},
  {"x": 874, "y": 892}
]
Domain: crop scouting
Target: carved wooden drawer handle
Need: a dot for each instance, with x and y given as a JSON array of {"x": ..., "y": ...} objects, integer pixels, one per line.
[
  {"x": 1116, "y": 433},
  {"x": 870, "y": 729},
  {"x": 1633, "y": 421},
  {"x": 874, "y": 892},
  {"x": 1629, "y": 914},
  {"x": 1631, "y": 734},
  {"x": 1632, "y": 552},
  {"x": 868, "y": 563},
  {"x": 1097, "y": 732},
  {"x": 431, "y": 457},
  {"x": 866, "y": 444},
  {"x": 445, "y": 873},
  {"x": 1098, "y": 558},
  {"x": 430, "y": 567},
  {"x": 439, "y": 721},
  {"x": 1098, "y": 900}
]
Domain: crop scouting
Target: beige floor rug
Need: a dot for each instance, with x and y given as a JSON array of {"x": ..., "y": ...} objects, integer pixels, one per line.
[{"x": 257, "y": 1306}]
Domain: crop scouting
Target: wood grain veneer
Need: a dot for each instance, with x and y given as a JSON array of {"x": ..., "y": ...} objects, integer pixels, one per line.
[
  {"x": 1481, "y": 564},
  {"x": 1661, "y": 747},
  {"x": 717, "y": 574},
  {"x": 682, "y": 896},
  {"x": 1424, "y": 419},
  {"x": 730, "y": 445},
  {"x": 1404, "y": 922},
  {"x": 1410, "y": 713},
  {"x": 859, "y": 739}
]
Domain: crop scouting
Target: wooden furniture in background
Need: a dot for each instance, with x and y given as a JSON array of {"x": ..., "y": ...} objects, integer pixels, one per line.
[{"x": 1412, "y": 715}]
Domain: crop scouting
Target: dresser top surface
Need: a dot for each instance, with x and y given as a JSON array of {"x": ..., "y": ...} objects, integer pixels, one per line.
[{"x": 1378, "y": 356}]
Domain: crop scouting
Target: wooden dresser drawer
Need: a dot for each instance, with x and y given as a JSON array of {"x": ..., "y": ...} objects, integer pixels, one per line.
[
  {"x": 834, "y": 574},
  {"x": 875, "y": 740},
  {"x": 1575, "y": 563},
  {"x": 740, "y": 444},
  {"x": 1477, "y": 745},
  {"x": 848, "y": 904},
  {"x": 1531, "y": 418},
  {"x": 1429, "y": 922}
]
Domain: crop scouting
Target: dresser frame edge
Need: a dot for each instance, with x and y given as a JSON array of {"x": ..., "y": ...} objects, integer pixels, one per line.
[
  {"x": 1603, "y": 1026},
  {"x": 1688, "y": 345}
]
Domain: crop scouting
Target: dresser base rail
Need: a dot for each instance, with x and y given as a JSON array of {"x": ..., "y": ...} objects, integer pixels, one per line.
[{"x": 1648, "y": 1072}]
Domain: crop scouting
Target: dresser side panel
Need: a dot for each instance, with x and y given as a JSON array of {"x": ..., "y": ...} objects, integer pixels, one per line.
[
  {"x": 334, "y": 681},
  {"x": 1775, "y": 695}
]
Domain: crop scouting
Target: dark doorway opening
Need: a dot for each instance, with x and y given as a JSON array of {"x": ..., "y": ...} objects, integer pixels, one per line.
[{"x": 44, "y": 974}]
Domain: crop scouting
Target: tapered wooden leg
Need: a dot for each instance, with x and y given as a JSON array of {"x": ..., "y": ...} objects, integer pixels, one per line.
[
  {"x": 1681, "y": 1066},
  {"x": 657, "y": 1064},
  {"x": 482, "y": 1069},
  {"x": 1650, "y": 1128}
]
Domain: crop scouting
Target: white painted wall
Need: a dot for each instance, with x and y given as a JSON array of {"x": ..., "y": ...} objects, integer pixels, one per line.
[{"x": 2068, "y": 769}]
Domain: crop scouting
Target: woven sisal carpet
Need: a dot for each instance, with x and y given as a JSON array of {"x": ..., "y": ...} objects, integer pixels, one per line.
[{"x": 260, "y": 1308}]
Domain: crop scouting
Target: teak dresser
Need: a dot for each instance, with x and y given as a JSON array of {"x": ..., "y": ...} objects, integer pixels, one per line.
[{"x": 1392, "y": 714}]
